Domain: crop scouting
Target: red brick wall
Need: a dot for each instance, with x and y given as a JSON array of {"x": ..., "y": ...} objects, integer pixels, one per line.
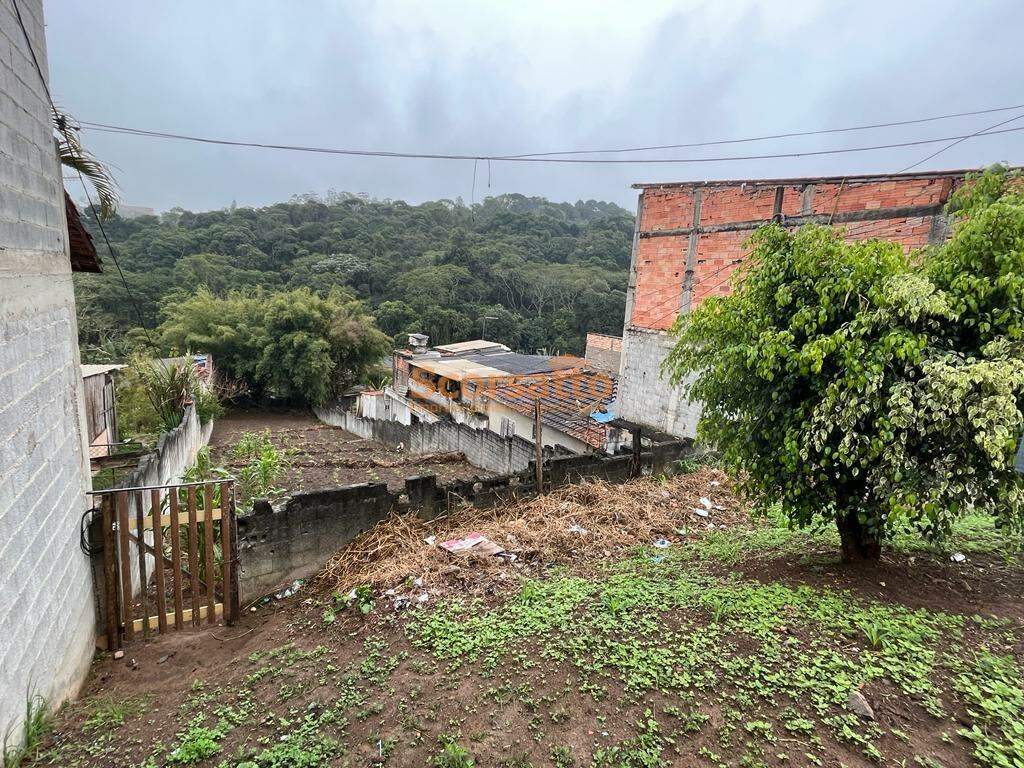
[{"x": 661, "y": 259}]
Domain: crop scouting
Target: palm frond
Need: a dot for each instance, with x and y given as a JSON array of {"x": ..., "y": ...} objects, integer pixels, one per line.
[{"x": 75, "y": 156}]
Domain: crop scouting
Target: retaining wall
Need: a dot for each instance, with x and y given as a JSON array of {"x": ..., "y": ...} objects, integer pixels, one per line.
[
  {"x": 481, "y": 447},
  {"x": 295, "y": 539}
]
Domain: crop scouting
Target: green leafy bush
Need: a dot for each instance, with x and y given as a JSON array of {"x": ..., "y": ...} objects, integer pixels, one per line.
[
  {"x": 264, "y": 468},
  {"x": 851, "y": 382},
  {"x": 290, "y": 344}
]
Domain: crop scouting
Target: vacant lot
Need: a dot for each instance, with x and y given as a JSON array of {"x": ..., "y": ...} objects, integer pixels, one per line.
[
  {"x": 741, "y": 644},
  {"x": 320, "y": 456}
]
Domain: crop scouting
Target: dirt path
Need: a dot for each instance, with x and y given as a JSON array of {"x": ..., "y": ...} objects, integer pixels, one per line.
[
  {"x": 716, "y": 650},
  {"x": 320, "y": 456}
]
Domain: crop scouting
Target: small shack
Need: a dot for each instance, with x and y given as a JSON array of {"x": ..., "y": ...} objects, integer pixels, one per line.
[{"x": 100, "y": 408}]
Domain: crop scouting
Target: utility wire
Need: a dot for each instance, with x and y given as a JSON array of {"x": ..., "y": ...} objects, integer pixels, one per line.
[
  {"x": 63, "y": 127},
  {"x": 958, "y": 141},
  {"x": 116, "y": 129},
  {"x": 769, "y": 137}
]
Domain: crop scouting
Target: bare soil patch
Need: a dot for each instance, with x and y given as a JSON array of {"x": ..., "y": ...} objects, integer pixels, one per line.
[
  {"x": 583, "y": 652},
  {"x": 320, "y": 456}
]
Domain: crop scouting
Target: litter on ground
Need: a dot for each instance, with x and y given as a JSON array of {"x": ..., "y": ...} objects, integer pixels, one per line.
[{"x": 617, "y": 517}]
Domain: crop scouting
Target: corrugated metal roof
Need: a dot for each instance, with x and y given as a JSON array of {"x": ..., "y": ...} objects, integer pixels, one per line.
[
  {"x": 515, "y": 363},
  {"x": 469, "y": 346},
  {"x": 457, "y": 368},
  {"x": 566, "y": 402},
  {"x": 96, "y": 370}
]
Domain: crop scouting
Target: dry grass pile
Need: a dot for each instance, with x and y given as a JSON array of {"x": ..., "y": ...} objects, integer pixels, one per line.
[{"x": 539, "y": 531}]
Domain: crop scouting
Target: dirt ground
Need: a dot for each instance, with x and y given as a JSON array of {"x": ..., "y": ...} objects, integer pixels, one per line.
[
  {"x": 641, "y": 660},
  {"x": 320, "y": 456}
]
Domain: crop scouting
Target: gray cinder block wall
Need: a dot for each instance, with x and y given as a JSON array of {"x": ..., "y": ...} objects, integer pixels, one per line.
[
  {"x": 295, "y": 538},
  {"x": 481, "y": 447},
  {"x": 46, "y": 611},
  {"x": 645, "y": 396}
]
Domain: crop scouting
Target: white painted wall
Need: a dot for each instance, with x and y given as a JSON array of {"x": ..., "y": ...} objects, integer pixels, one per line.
[
  {"x": 46, "y": 606},
  {"x": 524, "y": 428}
]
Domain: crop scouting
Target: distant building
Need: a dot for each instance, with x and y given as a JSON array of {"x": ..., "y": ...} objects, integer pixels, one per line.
[
  {"x": 604, "y": 353},
  {"x": 100, "y": 408},
  {"x": 690, "y": 237},
  {"x": 486, "y": 386},
  {"x": 126, "y": 211}
]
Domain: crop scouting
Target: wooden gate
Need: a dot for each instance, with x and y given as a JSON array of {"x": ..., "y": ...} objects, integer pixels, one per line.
[{"x": 170, "y": 558}]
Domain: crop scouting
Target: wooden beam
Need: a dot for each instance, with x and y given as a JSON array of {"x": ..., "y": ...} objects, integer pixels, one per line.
[
  {"x": 538, "y": 441},
  {"x": 210, "y": 571},
  {"x": 158, "y": 568},
  {"x": 176, "y": 569},
  {"x": 165, "y": 520},
  {"x": 126, "y": 566},
  {"x": 111, "y": 606}
]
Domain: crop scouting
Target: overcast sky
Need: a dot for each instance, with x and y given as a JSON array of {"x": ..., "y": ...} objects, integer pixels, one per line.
[{"x": 513, "y": 77}]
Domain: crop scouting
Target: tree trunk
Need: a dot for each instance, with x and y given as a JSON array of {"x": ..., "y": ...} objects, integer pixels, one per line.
[{"x": 857, "y": 541}]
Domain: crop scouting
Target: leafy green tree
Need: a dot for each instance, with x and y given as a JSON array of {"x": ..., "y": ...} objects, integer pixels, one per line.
[
  {"x": 444, "y": 260},
  {"x": 230, "y": 328},
  {"x": 852, "y": 383},
  {"x": 395, "y": 317},
  {"x": 291, "y": 344},
  {"x": 296, "y": 360}
]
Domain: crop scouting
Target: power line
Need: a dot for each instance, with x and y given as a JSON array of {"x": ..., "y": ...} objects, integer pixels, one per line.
[
  {"x": 958, "y": 141},
  {"x": 62, "y": 126},
  {"x": 123, "y": 130},
  {"x": 769, "y": 137}
]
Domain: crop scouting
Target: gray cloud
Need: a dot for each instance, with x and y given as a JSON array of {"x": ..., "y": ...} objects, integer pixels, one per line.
[{"x": 498, "y": 78}]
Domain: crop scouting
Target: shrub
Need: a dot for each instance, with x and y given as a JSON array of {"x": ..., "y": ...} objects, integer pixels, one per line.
[
  {"x": 290, "y": 344},
  {"x": 855, "y": 384}
]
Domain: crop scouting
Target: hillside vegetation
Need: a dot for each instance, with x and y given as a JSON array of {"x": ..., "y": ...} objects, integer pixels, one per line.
[{"x": 541, "y": 273}]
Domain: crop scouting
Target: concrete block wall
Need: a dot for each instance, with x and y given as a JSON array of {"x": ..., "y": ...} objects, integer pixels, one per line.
[
  {"x": 604, "y": 353},
  {"x": 691, "y": 238},
  {"x": 175, "y": 452},
  {"x": 645, "y": 395},
  {"x": 295, "y": 539},
  {"x": 481, "y": 447},
  {"x": 46, "y": 613}
]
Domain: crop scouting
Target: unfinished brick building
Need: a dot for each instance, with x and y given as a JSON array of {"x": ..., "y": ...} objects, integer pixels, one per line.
[{"x": 691, "y": 236}]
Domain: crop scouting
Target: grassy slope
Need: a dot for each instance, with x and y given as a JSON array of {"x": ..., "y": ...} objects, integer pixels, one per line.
[{"x": 656, "y": 660}]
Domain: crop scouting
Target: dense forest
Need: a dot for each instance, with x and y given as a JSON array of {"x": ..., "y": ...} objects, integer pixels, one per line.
[{"x": 533, "y": 274}]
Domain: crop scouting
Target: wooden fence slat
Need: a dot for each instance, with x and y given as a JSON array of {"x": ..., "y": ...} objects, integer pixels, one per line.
[
  {"x": 193, "y": 553},
  {"x": 158, "y": 546},
  {"x": 140, "y": 516},
  {"x": 179, "y": 620},
  {"x": 225, "y": 546},
  {"x": 126, "y": 569},
  {"x": 211, "y": 564},
  {"x": 233, "y": 599},
  {"x": 110, "y": 573}
]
